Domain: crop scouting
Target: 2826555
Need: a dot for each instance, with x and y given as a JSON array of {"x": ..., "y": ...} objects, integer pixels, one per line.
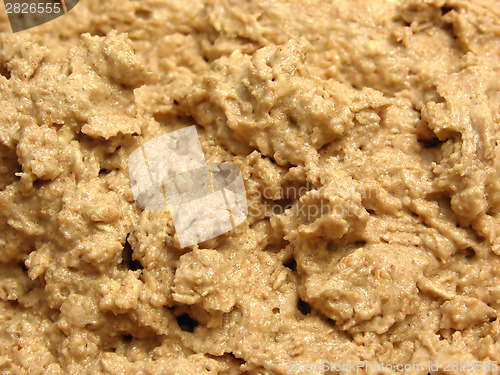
[{"x": 32, "y": 8}]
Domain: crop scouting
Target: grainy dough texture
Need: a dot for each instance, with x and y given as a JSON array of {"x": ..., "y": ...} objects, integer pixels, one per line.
[{"x": 367, "y": 133}]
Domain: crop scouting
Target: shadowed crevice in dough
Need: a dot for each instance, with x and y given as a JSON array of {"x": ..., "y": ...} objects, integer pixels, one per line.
[
  {"x": 128, "y": 261},
  {"x": 303, "y": 307},
  {"x": 186, "y": 323}
]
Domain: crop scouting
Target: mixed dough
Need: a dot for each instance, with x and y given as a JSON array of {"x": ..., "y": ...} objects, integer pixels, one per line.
[{"x": 367, "y": 133}]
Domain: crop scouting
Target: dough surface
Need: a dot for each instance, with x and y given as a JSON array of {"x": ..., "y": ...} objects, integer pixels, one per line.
[{"x": 367, "y": 133}]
